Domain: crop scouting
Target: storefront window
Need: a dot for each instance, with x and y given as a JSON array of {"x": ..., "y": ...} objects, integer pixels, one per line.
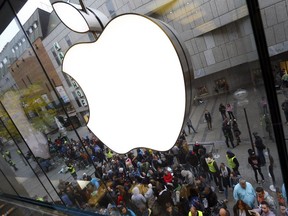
[{"x": 49, "y": 154}]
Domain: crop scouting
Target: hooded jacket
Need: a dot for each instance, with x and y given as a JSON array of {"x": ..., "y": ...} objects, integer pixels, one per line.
[{"x": 137, "y": 198}]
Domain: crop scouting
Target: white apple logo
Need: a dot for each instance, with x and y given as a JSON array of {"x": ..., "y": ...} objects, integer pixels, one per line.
[{"x": 136, "y": 77}]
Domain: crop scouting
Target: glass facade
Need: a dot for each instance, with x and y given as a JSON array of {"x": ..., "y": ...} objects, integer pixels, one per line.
[{"x": 238, "y": 53}]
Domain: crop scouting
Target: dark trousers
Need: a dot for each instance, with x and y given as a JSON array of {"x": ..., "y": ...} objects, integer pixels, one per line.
[
  {"x": 256, "y": 171},
  {"x": 209, "y": 124},
  {"x": 261, "y": 157},
  {"x": 217, "y": 180},
  {"x": 231, "y": 115},
  {"x": 227, "y": 138}
]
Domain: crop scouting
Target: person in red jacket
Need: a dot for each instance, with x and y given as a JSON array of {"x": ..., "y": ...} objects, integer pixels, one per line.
[{"x": 168, "y": 177}]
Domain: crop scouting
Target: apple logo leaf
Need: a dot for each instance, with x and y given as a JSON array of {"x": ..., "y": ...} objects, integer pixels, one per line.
[
  {"x": 80, "y": 19},
  {"x": 137, "y": 80}
]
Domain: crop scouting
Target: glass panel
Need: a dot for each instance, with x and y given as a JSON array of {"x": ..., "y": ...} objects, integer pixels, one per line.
[{"x": 230, "y": 116}]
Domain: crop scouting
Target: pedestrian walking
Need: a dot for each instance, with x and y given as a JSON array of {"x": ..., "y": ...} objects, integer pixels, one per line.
[
  {"x": 260, "y": 148},
  {"x": 222, "y": 110},
  {"x": 236, "y": 131},
  {"x": 227, "y": 131},
  {"x": 229, "y": 109},
  {"x": 254, "y": 161},
  {"x": 190, "y": 126},
  {"x": 244, "y": 191},
  {"x": 284, "y": 107},
  {"x": 208, "y": 119},
  {"x": 232, "y": 162}
]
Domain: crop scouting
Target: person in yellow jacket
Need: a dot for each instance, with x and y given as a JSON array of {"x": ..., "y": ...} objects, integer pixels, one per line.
[
  {"x": 8, "y": 154},
  {"x": 232, "y": 162},
  {"x": 215, "y": 171},
  {"x": 109, "y": 154},
  {"x": 194, "y": 212},
  {"x": 72, "y": 170}
]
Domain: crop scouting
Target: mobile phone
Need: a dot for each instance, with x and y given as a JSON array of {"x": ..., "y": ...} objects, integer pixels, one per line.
[{"x": 252, "y": 212}]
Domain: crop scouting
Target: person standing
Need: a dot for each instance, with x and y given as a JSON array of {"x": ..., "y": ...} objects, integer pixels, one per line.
[
  {"x": 190, "y": 126},
  {"x": 229, "y": 109},
  {"x": 222, "y": 110},
  {"x": 72, "y": 170},
  {"x": 194, "y": 212},
  {"x": 262, "y": 195},
  {"x": 208, "y": 119},
  {"x": 244, "y": 191},
  {"x": 171, "y": 210},
  {"x": 8, "y": 154},
  {"x": 284, "y": 107},
  {"x": 224, "y": 212},
  {"x": 214, "y": 170},
  {"x": 260, "y": 148},
  {"x": 227, "y": 131},
  {"x": 268, "y": 126},
  {"x": 225, "y": 174},
  {"x": 232, "y": 162},
  {"x": 193, "y": 160},
  {"x": 254, "y": 161},
  {"x": 241, "y": 208},
  {"x": 264, "y": 105},
  {"x": 264, "y": 209},
  {"x": 236, "y": 131},
  {"x": 271, "y": 167},
  {"x": 209, "y": 199},
  {"x": 283, "y": 211},
  {"x": 9, "y": 161},
  {"x": 138, "y": 199}
]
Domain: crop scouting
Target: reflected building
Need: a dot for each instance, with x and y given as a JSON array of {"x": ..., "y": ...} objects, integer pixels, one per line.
[{"x": 221, "y": 43}]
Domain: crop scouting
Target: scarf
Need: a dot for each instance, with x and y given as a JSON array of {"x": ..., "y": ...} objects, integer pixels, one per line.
[{"x": 224, "y": 171}]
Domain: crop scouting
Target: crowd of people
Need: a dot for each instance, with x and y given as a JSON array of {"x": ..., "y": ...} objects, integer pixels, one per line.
[
  {"x": 183, "y": 181},
  {"x": 186, "y": 180}
]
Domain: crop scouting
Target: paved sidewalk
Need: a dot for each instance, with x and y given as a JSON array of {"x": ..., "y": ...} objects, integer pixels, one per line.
[{"x": 256, "y": 125}]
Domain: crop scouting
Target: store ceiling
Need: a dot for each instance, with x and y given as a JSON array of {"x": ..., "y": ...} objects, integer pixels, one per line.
[{"x": 6, "y": 15}]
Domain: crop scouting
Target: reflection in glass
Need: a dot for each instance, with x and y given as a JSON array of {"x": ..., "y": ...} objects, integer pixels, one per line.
[{"x": 76, "y": 169}]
